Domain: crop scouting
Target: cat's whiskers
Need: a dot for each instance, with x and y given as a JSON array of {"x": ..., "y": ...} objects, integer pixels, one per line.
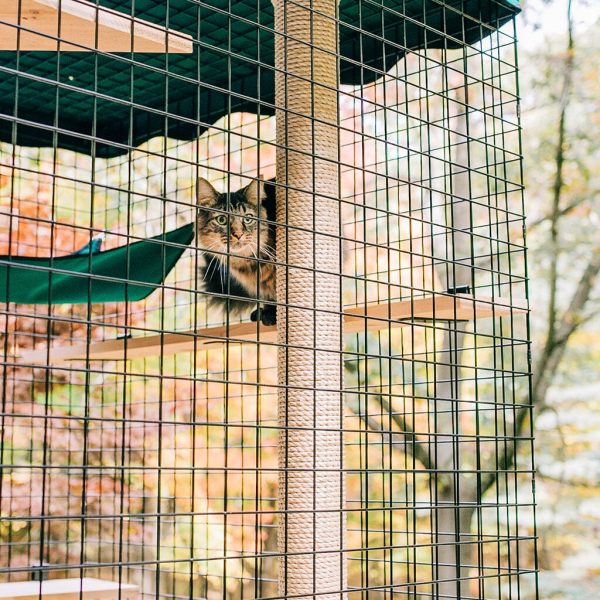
[
  {"x": 207, "y": 272},
  {"x": 222, "y": 277},
  {"x": 217, "y": 264},
  {"x": 268, "y": 252},
  {"x": 210, "y": 247}
]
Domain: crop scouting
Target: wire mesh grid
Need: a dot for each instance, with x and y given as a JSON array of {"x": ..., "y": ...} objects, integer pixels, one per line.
[{"x": 146, "y": 443}]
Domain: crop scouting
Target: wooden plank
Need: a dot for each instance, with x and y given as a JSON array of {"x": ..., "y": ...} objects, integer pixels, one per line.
[
  {"x": 441, "y": 307},
  {"x": 87, "y": 588},
  {"x": 154, "y": 345},
  {"x": 84, "y": 23},
  {"x": 372, "y": 317}
]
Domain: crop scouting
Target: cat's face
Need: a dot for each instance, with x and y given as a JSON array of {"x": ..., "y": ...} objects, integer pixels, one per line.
[{"x": 230, "y": 222}]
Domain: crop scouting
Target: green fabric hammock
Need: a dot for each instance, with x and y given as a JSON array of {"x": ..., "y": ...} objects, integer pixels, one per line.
[
  {"x": 69, "y": 98},
  {"x": 127, "y": 273}
]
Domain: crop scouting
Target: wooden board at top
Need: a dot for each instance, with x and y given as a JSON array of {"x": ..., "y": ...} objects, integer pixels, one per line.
[
  {"x": 87, "y": 588},
  {"x": 82, "y": 26},
  {"x": 372, "y": 317}
]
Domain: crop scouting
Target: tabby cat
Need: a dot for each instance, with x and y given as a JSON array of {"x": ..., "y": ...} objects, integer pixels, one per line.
[{"x": 239, "y": 247}]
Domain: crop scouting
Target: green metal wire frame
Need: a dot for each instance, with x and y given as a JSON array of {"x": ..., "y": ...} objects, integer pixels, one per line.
[{"x": 105, "y": 104}]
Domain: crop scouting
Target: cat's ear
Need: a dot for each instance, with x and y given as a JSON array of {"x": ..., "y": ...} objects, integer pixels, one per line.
[
  {"x": 206, "y": 195},
  {"x": 255, "y": 191}
]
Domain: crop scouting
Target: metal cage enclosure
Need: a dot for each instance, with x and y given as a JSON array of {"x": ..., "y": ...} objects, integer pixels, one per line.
[{"x": 158, "y": 442}]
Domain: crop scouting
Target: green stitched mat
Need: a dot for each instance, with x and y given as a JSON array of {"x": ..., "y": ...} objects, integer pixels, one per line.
[
  {"x": 124, "y": 102},
  {"x": 130, "y": 272}
]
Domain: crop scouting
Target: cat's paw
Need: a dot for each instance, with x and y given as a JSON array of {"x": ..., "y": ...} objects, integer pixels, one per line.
[{"x": 268, "y": 315}]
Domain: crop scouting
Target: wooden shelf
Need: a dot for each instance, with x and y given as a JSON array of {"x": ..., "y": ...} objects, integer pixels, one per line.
[
  {"x": 373, "y": 317},
  {"x": 89, "y": 26},
  {"x": 69, "y": 589}
]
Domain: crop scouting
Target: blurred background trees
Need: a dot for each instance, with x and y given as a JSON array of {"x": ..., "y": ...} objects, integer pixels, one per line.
[{"x": 560, "y": 68}]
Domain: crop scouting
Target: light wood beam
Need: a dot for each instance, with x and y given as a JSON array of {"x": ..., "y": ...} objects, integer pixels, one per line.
[
  {"x": 87, "y": 588},
  {"x": 82, "y": 26},
  {"x": 372, "y": 317}
]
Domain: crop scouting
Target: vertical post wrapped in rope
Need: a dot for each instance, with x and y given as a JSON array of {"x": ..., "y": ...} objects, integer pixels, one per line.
[{"x": 311, "y": 490}]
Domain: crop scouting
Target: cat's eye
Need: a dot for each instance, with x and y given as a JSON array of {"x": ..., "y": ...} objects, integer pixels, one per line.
[
  {"x": 221, "y": 219},
  {"x": 248, "y": 220}
]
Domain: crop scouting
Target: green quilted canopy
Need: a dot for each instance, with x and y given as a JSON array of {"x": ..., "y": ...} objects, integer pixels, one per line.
[
  {"x": 130, "y": 272},
  {"x": 123, "y": 100}
]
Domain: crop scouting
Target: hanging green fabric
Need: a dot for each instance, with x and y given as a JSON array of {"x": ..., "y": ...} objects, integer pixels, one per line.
[{"x": 127, "y": 273}]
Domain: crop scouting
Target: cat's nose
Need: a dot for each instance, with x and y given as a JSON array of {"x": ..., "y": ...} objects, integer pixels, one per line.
[{"x": 237, "y": 234}]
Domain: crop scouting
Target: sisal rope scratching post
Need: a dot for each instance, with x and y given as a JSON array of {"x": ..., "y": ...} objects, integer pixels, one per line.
[{"x": 311, "y": 490}]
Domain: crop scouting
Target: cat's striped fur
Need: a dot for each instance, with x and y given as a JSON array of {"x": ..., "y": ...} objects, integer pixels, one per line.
[{"x": 236, "y": 234}]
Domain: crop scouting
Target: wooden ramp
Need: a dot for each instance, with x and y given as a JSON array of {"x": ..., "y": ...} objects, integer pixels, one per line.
[
  {"x": 82, "y": 26},
  {"x": 69, "y": 589},
  {"x": 373, "y": 317}
]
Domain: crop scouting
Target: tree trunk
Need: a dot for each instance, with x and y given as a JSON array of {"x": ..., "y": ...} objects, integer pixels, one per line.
[
  {"x": 455, "y": 548},
  {"x": 455, "y": 494}
]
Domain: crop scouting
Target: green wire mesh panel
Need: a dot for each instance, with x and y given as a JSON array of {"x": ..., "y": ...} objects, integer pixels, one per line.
[
  {"x": 153, "y": 459},
  {"x": 106, "y": 104}
]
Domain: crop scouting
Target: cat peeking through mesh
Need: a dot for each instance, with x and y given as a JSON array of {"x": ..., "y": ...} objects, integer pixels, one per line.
[{"x": 236, "y": 233}]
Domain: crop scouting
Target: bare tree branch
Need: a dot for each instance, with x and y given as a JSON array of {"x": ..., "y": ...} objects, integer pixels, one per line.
[
  {"x": 571, "y": 320},
  {"x": 418, "y": 448},
  {"x": 557, "y": 188},
  {"x": 560, "y": 330},
  {"x": 409, "y": 442},
  {"x": 550, "y": 359},
  {"x": 563, "y": 212}
]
